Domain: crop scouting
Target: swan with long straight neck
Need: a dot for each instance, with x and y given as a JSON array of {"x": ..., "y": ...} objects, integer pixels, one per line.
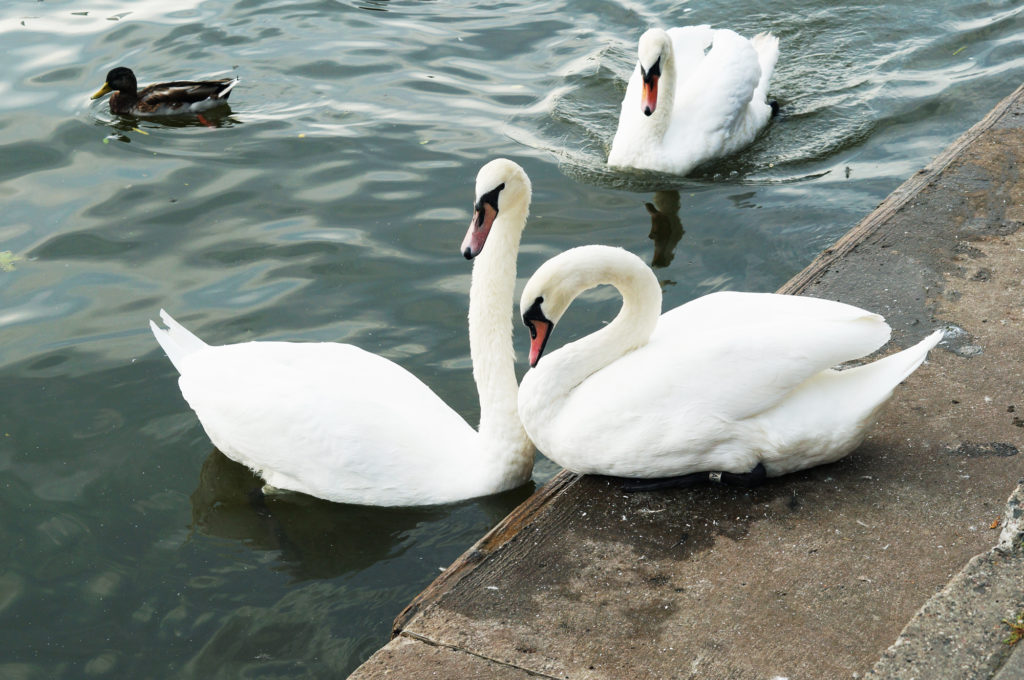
[
  {"x": 334, "y": 421},
  {"x": 726, "y": 382},
  {"x": 696, "y": 94},
  {"x": 502, "y": 206}
]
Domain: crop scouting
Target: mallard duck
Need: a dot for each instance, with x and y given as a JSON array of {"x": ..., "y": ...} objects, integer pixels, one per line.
[
  {"x": 163, "y": 99},
  {"x": 696, "y": 94},
  {"x": 334, "y": 421},
  {"x": 731, "y": 382}
]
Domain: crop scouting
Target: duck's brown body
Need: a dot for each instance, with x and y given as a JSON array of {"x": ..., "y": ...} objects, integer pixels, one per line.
[{"x": 163, "y": 99}]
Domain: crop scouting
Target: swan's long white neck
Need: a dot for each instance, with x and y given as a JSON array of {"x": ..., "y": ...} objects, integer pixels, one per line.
[
  {"x": 503, "y": 446},
  {"x": 662, "y": 116},
  {"x": 631, "y": 328}
]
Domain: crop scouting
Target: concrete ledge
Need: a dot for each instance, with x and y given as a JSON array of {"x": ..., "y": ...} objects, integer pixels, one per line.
[
  {"x": 960, "y": 632},
  {"x": 814, "y": 574},
  {"x": 413, "y": 659}
]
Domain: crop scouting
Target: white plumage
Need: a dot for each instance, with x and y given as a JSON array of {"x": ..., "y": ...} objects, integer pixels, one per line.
[
  {"x": 337, "y": 422},
  {"x": 718, "y": 384},
  {"x": 707, "y": 89}
]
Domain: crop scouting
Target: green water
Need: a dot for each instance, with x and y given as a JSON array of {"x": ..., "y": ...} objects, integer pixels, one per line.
[{"x": 330, "y": 205}]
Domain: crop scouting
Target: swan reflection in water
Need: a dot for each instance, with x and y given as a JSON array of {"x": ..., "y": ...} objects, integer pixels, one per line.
[
  {"x": 318, "y": 539},
  {"x": 666, "y": 227}
]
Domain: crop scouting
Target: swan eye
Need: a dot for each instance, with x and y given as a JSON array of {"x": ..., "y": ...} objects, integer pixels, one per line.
[
  {"x": 540, "y": 330},
  {"x": 490, "y": 198},
  {"x": 534, "y": 313},
  {"x": 653, "y": 72}
]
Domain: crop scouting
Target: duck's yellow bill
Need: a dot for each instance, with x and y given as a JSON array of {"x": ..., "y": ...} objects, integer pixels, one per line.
[{"x": 102, "y": 91}]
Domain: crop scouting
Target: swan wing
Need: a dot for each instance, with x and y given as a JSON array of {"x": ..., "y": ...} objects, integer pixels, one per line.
[
  {"x": 737, "y": 354},
  {"x": 767, "y": 47},
  {"x": 744, "y": 374},
  {"x": 689, "y": 44},
  {"x": 733, "y": 309},
  {"x": 713, "y": 92},
  {"x": 327, "y": 419}
]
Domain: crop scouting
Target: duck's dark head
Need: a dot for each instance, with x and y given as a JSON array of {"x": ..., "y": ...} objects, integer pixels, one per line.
[{"x": 120, "y": 79}]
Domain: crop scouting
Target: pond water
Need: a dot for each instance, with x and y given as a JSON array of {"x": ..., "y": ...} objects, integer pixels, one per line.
[{"x": 329, "y": 205}]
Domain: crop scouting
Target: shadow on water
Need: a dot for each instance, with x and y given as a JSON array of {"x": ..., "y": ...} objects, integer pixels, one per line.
[
  {"x": 316, "y": 539},
  {"x": 340, "y": 558}
]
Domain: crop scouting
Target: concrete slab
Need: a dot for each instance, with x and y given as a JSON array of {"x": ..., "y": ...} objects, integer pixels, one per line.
[
  {"x": 964, "y": 630},
  {"x": 412, "y": 659},
  {"x": 1014, "y": 668},
  {"x": 813, "y": 575}
]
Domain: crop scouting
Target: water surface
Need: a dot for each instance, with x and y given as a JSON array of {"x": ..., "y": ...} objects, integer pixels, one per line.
[{"x": 330, "y": 205}]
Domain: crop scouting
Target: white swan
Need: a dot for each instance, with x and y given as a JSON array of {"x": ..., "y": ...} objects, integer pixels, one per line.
[
  {"x": 333, "y": 421},
  {"x": 722, "y": 383},
  {"x": 696, "y": 93}
]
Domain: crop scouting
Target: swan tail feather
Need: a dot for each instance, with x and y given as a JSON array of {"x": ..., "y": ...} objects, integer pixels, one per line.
[
  {"x": 767, "y": 47},
  {"x": 829, "y": 415},
  {"x": 907, "y": 361},
  {"x": 176, "y": 340},
  {"x": 885, "y": 374}
]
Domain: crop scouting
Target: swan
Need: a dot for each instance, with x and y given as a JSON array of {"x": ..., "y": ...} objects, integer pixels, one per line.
[
  {"x": 334, "y": 421},
  {"x": 696, "y": 93},
  {"x": 730, "y": 382}
]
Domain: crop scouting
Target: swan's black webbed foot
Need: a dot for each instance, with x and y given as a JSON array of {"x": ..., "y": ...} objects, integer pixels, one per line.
[
  {"x": 747, "y": 480},
  {"x": 743, "y": 479},
  {"x": 656, "y": 483},
  {"x": 775, "y": 107}
]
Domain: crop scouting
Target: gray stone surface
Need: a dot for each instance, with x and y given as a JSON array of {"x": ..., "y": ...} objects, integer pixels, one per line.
[
  {"x": 410, "y": 659},
  {"x": 1014, "y": 668},
  {"x": 961, "y": 632}
]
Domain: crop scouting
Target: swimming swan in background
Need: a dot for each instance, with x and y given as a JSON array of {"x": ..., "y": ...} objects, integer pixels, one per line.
[
  {"x": 696, "y": 93},
  {"x": 732, "y": 382},
  {"x": 333, "y": 421}
]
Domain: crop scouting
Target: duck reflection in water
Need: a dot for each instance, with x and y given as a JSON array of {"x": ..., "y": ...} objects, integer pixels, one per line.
[
  {"x": 316, "y": 539},
  {"x": 122, "y": 127},
  {"x": 666, "y": 227}
]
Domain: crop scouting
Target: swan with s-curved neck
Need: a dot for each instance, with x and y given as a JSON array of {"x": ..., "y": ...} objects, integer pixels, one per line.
[{"x": 727, "y": 382}]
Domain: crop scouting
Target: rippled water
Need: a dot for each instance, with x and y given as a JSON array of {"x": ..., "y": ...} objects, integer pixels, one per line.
[{"x": 330, "y": 205}]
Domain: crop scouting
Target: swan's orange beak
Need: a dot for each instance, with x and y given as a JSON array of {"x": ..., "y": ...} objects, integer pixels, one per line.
[
  {"x": 649, "y": 100},
  {"x": 479, "y": 228},
  {"x": 539, "y": 332}
]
